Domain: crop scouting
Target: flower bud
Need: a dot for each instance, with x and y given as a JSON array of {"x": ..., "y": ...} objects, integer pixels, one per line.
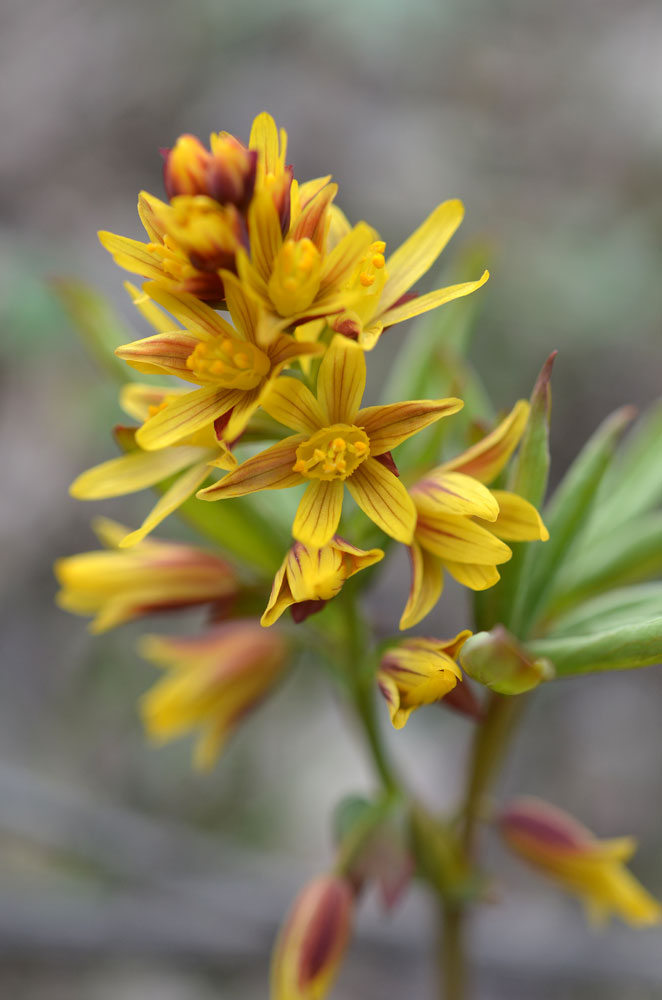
[
  {"x": 497, "y": 660},
  {"x": 226, "y": 174},
  {"x": 118, "y": 585},
  {"x": 212, "y": 682},
  {"x": 313, "y": 940},
  {"x": 309, "y": 577},
  {"x": 418, "y": 672},
  {"x": 566, "y": 851}
]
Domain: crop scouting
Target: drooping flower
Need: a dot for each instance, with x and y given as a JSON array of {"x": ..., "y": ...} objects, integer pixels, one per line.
[
  {"x": 309, "y": 577},
  {"x": 313, "y": 940},
  {"x": 418, "y": 672},
  {"x": 461, "y": 525},
  {"x": 336, "y": 444},
  {"x": 188, "y": 460},
  {"x": 157, "y": 575},
  {"x": 212, "y": 682},
  {"x": 231, "y": 364},
  {"x": 378, "y": 292},
  {"x": 567, "y": 852}
]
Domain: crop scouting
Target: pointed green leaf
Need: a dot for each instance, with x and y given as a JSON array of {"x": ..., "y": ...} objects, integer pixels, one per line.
[
  {"x": 624, "y": 606},
  {"x": 623, "y": 648}
]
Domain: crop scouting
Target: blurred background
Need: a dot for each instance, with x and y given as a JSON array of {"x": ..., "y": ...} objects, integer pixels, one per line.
[{"x": 124, "y": 875}]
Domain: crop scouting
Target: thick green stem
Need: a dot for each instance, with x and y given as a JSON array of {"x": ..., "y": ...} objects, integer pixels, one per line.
[{"x": 452, "y": 958}]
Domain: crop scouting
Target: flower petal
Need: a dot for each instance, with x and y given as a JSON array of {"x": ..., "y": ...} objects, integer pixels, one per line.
[
  {"x": 341, "y": 380},
  {"x": 346, "y": 255},
  {"x": 383, "y": 498},
  {"x": 156, "y": 318},
  {"x": 291, "y": 403},
  {"x": 454, "y": 493},
  {"x": 243, "y": 308},
  {"x": 200, "y": 319},
  {"x": 186, "y": 415},
  {"x": 461, "y": 540},
  {"x": 488, "y": 457},
  {"x": 432, "y": 300},
  {"x": 133, "y": 472},
  {"x": 270, "y": 470},
  {"x": 183, "y": 487},
  {"x": 264, "y": 140},
  {"x": 137, "y": 398},
  {"x": 266, "y": 236},
  {"x": 418, "y": 253},
  {"x": 318, "y": 514},
  {"x": 518, "y": 520},
  {"x": 280, "y": 597},
  {"x": 131, "y": 255},
  {"x": 473, "y": 576},
  {"x": 163, "y": 353},
  {"x": 427, "y": 583},
  {"x": 388, "y": 426},
  {"x": 311, "y": 222}
]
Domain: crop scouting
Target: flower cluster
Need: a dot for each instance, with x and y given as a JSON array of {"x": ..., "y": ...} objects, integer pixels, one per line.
[{"x": 264, "y": 304}]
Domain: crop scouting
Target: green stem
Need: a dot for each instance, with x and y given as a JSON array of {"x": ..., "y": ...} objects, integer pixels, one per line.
[{"x": 452, "y": 958}]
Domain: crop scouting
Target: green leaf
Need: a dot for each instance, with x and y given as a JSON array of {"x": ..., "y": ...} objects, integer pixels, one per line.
[
  {"x": 98, "y": 325},
  {"x": 623, "y": 648},
  {"x": 629, "y": 555},
  {"x": 624, "y": 606},
  {"x": 504, "y": 603},
  {"x": 568, "y": 514},
  {"x": 633, "y": 483}
]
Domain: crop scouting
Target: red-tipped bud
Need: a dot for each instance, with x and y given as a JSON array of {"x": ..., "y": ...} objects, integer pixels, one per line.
[
  {"x": 226, "y": 174},
  {"x": 313, "y": 940}
]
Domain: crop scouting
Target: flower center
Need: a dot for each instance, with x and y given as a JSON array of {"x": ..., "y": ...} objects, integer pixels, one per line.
[
  {"x": 333, "y": 453},
  {"x": 228, "y": 362},
  {"x": 295, "y": 278}
]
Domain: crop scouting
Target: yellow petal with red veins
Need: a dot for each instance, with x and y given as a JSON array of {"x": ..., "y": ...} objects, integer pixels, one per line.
[
  {"x": 454, "y": 493},
  {"x": 427, "y": 583},
  {"x": 473, "y": 576},
  {"x": 183, "y": 487},
  {"x": 346, "y": 255},
  {"x": 388, "y": 426},
  {"x": 162, "y": 353},
  {"x": 318, "y": 514},
  {"x": 432, "y": 300},
  {"x": 418, "y": 253},
  {"x": 200, "y": 319},
  {"x": 341, "y": 381},
  {"x": 131, "y": 255},
  {"x": 138, "y": 399},
  {"x": 518, "y": 520},
  {"x": 185, "y": 416},
  {"x": 280, "y": 598},
  {"x": 291, "y": 403},
  {"x": 264, "y": 139},
  {"x": 270, "y": 470},
  {"x": 459, "y": 539},
  {"x": 243, "y": 308},
  {"x": 133, "y": 472},
  {"x": 488, "y": 457},
  {"x": 266, "y": 236},
  {"x": 383, "y": 498},
  {"x": 151, "y": 312}
]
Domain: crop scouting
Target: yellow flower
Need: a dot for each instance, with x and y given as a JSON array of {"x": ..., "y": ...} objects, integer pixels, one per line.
[
  {"x": 226, "y": 173},
  {"x": 231, "y": 364},
  {"x": 336, "y": 444},
  {"x": 116, "y": 587},
  {"x": 313, "y": 940},
  {"x": 378, "y": 295},
  {"x": 188, "y": 460},
  {"x": 556, "y": 844},
  {"x": 212, "y": 682},
  {"x": 461, "y": 525},
  {"x": 309, "y": 577},
  {"x": 418, "y": 672}
]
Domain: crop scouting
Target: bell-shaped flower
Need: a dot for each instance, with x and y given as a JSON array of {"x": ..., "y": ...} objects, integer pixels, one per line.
[
  {"x": 378, "y": 295},
  {"x": 418, "y": 672},
  {"x": 309, "y": 577},
  {"x": 116, "y": 586},
  {"x": 336, "y": 444},
  {"x": 461, "y": 525},
  {"x": 212, "y": 681},
  {"x": 313, "y": 940},
  {"x": 594, "y": 870}
]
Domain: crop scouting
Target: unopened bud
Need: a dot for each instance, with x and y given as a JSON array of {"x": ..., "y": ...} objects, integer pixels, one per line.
[
  {"x": 497, "y": 660},
  {"x": 313, "y": 940}
]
